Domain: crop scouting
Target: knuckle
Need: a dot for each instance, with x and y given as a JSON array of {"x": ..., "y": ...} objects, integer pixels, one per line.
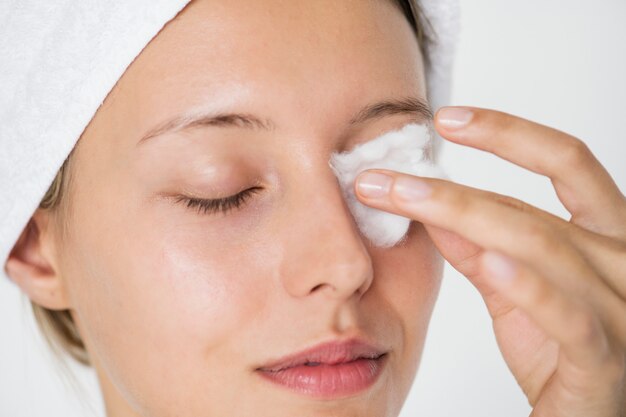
[
  {"x": 575, "y": 153},
  {"x": 540, "y": 239},
  {"x": 513, "y": 203}
]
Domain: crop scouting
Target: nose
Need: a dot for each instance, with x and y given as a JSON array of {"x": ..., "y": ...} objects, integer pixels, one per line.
[{"x": 323, "y": 249}]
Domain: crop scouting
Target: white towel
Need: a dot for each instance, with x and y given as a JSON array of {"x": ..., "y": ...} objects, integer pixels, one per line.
[{"x": 60, "y": 58}]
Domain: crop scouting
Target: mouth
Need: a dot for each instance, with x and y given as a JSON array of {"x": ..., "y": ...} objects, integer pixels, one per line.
[{"x": 328, "y": 370}]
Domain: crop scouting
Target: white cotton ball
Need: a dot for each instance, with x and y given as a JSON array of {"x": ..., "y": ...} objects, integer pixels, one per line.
[{"x": 401, "y": 150}]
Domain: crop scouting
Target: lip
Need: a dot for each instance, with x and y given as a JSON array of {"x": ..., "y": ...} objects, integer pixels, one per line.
[{"x": 339, "y": 369}]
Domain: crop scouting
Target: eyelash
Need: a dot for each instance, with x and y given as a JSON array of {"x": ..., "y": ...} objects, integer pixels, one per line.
[{"x": 218, "y": 205}]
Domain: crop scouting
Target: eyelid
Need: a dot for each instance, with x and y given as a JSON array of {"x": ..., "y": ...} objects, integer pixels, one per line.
[{"x": 210, "y": 206}]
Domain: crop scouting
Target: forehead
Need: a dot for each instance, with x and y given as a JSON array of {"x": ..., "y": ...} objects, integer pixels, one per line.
[{"x": 276, "y": 55}]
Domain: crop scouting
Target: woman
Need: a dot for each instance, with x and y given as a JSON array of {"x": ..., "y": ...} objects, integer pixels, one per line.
[{"x": 196, "y": 309}]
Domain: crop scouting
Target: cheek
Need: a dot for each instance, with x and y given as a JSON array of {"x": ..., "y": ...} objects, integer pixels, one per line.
[
  {"x": 411, "y": 274},
  {"x": 409, "y": 279},
  {"x": 143, "y": 281},
  {"x": 159, "y": 262},
  {"x": 404, "y": 291}
]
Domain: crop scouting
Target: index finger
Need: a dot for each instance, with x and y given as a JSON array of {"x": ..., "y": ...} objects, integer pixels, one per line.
[{"x": 582, "y": 184}]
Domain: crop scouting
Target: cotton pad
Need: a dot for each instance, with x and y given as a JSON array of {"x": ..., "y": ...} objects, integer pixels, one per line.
[{"x": 404, "y": 150}]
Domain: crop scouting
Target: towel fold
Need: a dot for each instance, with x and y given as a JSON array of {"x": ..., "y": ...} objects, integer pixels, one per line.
[{"x": 59, "y": 60}]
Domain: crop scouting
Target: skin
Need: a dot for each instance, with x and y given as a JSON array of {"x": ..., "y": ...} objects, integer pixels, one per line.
[
  {"x": 177, "y": 308},
  {"x": 212, "y": 292},
  {"x": 555, "y": 289}
]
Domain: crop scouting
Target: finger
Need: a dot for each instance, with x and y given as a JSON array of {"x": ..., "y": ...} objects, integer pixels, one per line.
[
  {"x": 465, "y": 256},
  {"x": 493, "y": 225},
  {"x": 582, "y": 184},
  {"x": 606, "y": 255},
  {"x": 570, "y": 321}
]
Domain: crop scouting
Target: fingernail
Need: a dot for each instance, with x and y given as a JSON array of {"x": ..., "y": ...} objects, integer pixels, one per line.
[
  {"x": 374, "y": 184},
  {"x": 411, "y": 189},
  {"x": 453, "y": 118},
  {"x": 499, "y": 265}
]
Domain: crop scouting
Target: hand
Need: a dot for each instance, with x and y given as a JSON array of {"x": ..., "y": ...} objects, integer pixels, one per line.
[{"x": 555, "y": 289}]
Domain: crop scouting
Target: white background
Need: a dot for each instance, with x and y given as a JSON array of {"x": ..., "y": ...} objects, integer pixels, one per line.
[{"x": 561, "y": 63}]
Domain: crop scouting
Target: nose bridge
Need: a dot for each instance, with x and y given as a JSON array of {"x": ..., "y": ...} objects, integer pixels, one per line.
[{"x": 324, "y": 249}]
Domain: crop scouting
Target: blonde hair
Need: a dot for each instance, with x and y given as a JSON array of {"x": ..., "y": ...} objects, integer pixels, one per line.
[{"x": 58, "y": 326}]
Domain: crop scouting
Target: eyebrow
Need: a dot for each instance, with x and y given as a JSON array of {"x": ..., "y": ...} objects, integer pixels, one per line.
[{"x": 416, "y": 107}]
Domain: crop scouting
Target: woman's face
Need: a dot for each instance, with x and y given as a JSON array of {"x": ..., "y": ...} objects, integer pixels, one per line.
[{"x": 179, "y": 307}]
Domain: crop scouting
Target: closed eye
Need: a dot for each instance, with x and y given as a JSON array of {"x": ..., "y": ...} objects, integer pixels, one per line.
[{"x": 223, "y": 205}]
